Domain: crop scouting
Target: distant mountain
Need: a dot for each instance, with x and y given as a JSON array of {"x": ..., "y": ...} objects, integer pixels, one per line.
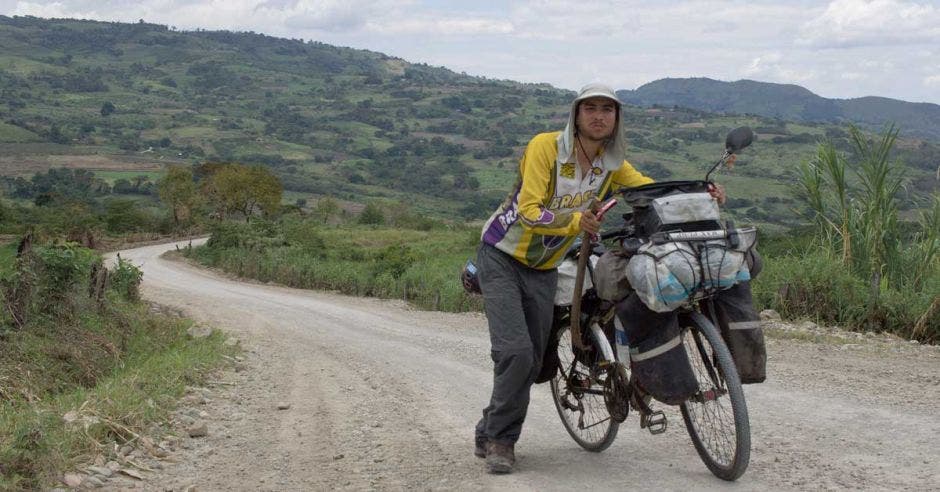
[{"x": 787, "y": 102}]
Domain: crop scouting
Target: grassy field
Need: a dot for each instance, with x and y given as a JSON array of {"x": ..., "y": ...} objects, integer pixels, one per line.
[
  {"x": 112, "y": 176},
  {"x": 15, "y": 134}
]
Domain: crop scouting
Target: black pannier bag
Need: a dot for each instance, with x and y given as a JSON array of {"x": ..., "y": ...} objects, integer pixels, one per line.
[
  {"x": 740, "y": 328},
  {"x": 658, "y": 360}
]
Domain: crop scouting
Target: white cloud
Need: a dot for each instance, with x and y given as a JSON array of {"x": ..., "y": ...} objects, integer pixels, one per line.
[
  {"x": 774, "y": 67},
  {"x": 568, "y": 42},
  {"x": 846, "y": 23},
  {"x": 55, "y": 9},
  {"x": 441, "y": 26},
  {"x": 272, "y": 16}
]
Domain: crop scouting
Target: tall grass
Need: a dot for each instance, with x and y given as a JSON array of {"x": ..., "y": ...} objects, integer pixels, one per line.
[
  {"x": 854, "y": 205},
  {"x": 419, "y": 266}
]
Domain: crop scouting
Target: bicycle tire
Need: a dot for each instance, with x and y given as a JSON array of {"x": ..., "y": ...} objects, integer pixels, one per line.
[
  {"x": 583, "y": 411},
  {"x": 720, "y": 396}
]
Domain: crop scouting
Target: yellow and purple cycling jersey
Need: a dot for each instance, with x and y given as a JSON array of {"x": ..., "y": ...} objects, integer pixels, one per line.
[{"x": 540, "y": 218}]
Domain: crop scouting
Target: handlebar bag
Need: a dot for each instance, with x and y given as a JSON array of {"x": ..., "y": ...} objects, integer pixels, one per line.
[
  {"x": 658, "y": 360},
  {"x": 677, "y": 212}
]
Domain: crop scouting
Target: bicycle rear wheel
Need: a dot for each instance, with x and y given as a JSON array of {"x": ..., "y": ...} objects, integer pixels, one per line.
[
  {"x": 716, "y": 416},
  {"x": 579, "y": 398}
]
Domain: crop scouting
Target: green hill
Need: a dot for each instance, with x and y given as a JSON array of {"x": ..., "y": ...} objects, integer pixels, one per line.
[
  {"x": 788, "y": 102},
  {"x": 330, "y": 121}
]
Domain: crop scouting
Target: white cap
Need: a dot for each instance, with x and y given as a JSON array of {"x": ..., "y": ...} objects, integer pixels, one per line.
[{"x": 615, "y": 149}]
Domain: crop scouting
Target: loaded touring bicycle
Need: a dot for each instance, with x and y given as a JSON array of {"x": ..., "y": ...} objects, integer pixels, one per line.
[{"x": 672, "y": 261}]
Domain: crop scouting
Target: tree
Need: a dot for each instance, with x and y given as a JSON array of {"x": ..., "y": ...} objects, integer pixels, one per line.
[
  {"x": 122, "y": 187},
  {"x": 107, "y": 108},
  {"x": 124, "y": 215},
  {"x": 178, "y": 192},
  {"x": 325, "y": 209},
  {"x": 372, "y": 215},
  {"x": 244, "y": 189}
]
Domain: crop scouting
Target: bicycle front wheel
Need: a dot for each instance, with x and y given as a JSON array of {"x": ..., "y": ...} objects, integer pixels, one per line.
[
  {"x": 578, "y": 394},
  {"x": 716, "y": 416}
]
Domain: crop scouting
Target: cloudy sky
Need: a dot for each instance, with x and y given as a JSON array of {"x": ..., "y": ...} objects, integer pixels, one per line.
[{"x": 836, "y": 48}]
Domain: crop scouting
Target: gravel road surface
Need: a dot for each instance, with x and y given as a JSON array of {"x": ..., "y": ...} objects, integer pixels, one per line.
[{"x": 382, "y": 396}]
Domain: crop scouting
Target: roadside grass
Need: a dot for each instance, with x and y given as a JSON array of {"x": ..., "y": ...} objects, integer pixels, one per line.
[
  {"x": 811, "y": 285},
  {"x": 85, "y": 367},
  {"x": 139, "y": 369},
  {"x": 421, "y": 267},
  {"x": 7, "y": 255}
]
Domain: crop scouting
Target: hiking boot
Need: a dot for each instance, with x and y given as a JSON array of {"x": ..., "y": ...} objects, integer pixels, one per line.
[
  {"x": 479, "y": 448},
  {"x": 499, "y": 457}
]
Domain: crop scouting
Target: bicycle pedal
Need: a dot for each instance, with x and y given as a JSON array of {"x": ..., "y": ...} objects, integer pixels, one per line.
[{"x": 654, "y": 422}]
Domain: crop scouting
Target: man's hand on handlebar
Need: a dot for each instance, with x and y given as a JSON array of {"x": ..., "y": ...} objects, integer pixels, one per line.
[
  {"x": 590, "y": 222},
  {"x": 717, "y": 192}
]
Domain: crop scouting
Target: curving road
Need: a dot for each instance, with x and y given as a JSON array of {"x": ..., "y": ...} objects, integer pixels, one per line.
[{"x": 385, "y": 397}]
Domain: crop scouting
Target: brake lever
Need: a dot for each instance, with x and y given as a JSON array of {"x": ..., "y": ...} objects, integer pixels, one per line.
[{"x": 609, "y": 204}]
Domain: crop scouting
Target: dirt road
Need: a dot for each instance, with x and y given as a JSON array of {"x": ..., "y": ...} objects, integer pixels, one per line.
[{"x": 385, "y": 397}]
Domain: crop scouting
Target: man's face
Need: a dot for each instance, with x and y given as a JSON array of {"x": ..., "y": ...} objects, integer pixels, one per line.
[{"x": 597, "y": 117}]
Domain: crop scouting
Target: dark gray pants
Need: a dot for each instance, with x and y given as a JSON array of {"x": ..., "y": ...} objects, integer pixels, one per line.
[{"x": 518, "y": 302}]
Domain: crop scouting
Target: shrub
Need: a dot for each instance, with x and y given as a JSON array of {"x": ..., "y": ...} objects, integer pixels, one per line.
[
  {"x": 60, "y": 269},
  {"x": 393, "y": 260},
  {"x": 304, "y": 235},
  {"x": 372, "y": 215},
  {"x": 226, "y": 235},
  {"x": 254, "y": 236},
  {"x": 123, "y": 215},
  {"x": 125, "y": 279}
]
